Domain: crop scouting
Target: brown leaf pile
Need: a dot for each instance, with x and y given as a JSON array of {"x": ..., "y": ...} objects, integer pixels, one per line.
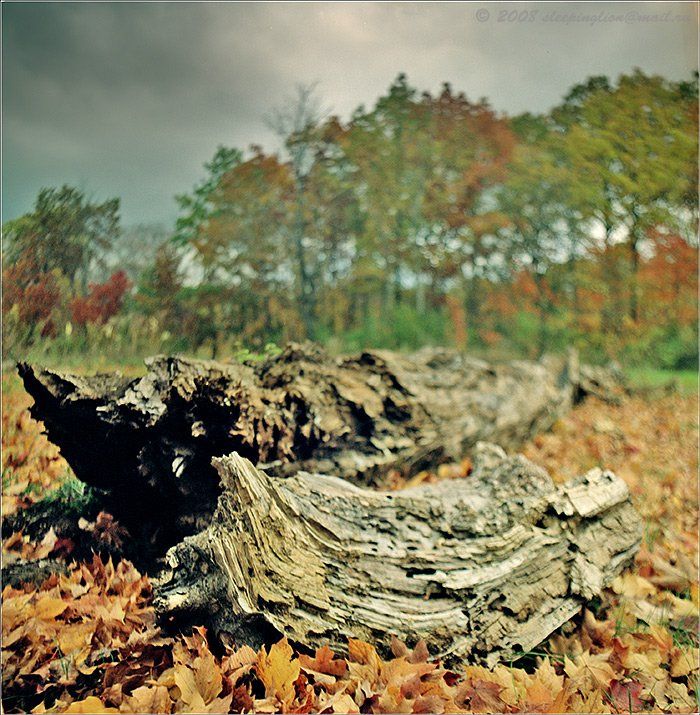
[
  {"x": 31, "y": 464},
  {"x": 86, "y": 641}
]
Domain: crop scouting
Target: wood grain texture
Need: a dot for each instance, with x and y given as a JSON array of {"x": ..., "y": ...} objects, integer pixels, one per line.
[
  {"x": 258, "y": 474},
  {"x": 485, "y": 566}
]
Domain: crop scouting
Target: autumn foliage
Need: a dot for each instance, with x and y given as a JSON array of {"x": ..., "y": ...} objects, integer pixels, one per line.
[
  {"x": 34, "y": 292},
  {"x": 427, "y": 218},
  {"x": 103, "y": 301}
]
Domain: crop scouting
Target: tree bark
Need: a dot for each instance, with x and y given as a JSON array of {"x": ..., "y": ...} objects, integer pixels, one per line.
[
  {"x": 146, "y": 444},
  {"x": 487, "y": 566},
  {"x": 634, "y": 275}
]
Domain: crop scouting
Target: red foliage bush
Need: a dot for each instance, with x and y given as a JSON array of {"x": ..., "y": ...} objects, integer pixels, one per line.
[{"x": 102, "y": 302}]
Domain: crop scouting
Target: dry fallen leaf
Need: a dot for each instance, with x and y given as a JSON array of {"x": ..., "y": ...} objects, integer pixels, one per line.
[
  {"x": 324, "y": 662},
  {"x": 626, "y": 696},
  {"x": 47, "y": 607},
  {"x": 148, "y": 699},
  {"x": 591, "y": 671},
  {"x": 278, "y": 669},
  {"x": 89, "y": 705}
]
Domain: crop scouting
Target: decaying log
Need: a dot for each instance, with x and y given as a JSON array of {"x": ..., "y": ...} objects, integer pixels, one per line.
[
  {"x": 244, "y": 468},
  {"x": 33, "y": 572},
  {"x": 486, "y": 566},
  {"x": 147, "y": 443},
  {"x": 606, "y": 383}
]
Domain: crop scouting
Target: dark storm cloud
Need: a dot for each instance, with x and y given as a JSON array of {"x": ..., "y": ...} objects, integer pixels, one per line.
[{"x": 130, "y": 99}]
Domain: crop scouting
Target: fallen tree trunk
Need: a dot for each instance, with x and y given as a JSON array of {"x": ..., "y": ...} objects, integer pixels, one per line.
[
  {"x": 147, "y": 443},
  {"x": 486, "y": 566}
]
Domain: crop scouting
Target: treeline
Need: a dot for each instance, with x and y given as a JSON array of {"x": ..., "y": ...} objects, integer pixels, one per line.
[{"x": 427, "y": 219}]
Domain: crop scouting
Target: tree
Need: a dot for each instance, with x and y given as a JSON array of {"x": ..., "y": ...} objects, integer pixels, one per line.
[
  {"x": 387, "y": 148},
  {"x": 32, "y": 294},
  {"x": 544, "y": 227},
  {"x": 197, "y": 208},
  {"x": 103, "y": 301},
  {"x": 160, "y": 285},
  {"x": 632, "y": 149},
  {"x": 244, "y": 254},
  {"x": 334, "y": 222},
  {"x": 470, "y": 147},
  {"x": 66, "y": 232},
  {"x": 163, "y": 439},
  {"x": 297, "y": 125},
  {"x": 50, "y": 253},
  {"x": 133, "y": 251}
]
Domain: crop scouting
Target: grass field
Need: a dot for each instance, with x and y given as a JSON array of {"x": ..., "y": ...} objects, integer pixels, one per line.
[
  {"x": 686, "y": 381},
  {"x": 86, "y": 641}
]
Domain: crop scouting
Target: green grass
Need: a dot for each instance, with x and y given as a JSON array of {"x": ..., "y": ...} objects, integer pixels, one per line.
[
  {"x": 90, "y": 361},
  {"x": 686, "y": 381}
]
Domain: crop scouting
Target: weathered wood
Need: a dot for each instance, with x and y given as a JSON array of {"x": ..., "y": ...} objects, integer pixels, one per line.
[
  {"x": 485, "y": 566},
  {"x": 605, "y": 383},
  {"x": 32, "y": 572},
  {"x": 147, "y": 443}
]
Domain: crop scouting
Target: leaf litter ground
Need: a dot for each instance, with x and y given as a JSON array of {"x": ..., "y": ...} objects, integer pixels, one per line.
[{"x": 86, "y": 641}]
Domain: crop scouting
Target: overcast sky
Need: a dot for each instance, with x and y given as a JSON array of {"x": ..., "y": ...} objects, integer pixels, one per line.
[{"x": 129, "y": 100}]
